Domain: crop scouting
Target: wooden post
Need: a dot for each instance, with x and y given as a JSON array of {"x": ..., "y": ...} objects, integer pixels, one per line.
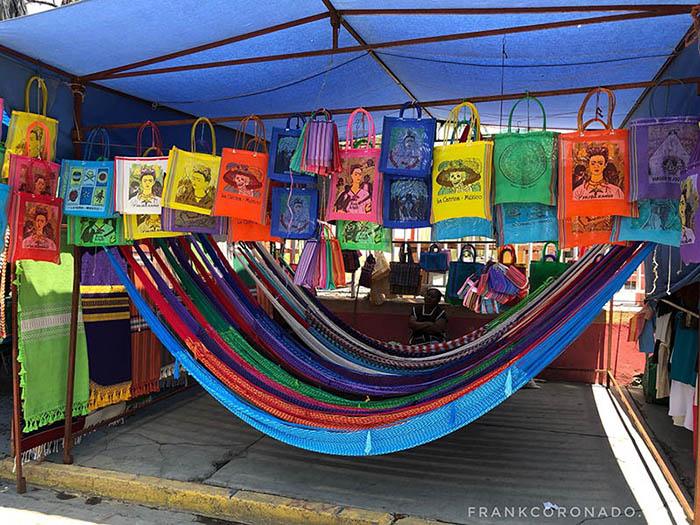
[
  {"x": 16, "y": 394},
  {"x": 610, "y": 335},
  {"x": 70, "y": 383},
  {"x": 78, "y": 95}
]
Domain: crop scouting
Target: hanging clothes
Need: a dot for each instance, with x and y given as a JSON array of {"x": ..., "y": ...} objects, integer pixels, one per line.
[{"x": 663, "y": 333}]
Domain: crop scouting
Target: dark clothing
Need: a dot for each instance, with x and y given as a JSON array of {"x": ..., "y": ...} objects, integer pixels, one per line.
[{"x": 418, "y": 336}]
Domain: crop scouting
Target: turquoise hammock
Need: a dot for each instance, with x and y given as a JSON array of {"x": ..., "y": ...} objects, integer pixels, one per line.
[{"x": 304, "y": 397}]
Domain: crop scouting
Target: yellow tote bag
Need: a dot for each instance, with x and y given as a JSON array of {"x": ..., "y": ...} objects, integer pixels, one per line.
[
  {"x": 20, "y": 122},
  {"x": 192, "y": 178},
  {"x": 138, "y": 227},
  {"x": 462, "y": 170}
]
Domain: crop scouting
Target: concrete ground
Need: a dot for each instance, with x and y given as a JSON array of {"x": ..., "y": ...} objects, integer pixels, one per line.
[
  {"x": 540, "y": 449},
  {"x": 48, "y": 507}
]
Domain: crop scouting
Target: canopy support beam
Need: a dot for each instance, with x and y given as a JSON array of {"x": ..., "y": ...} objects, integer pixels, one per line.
[
  {"x": 335, "y": 16},
  {"x": 394, "y": 43},
  {"x": 429, "y": 103},
  {"x": 211, "y": 45},
  {"x": 681, "y": 8}
]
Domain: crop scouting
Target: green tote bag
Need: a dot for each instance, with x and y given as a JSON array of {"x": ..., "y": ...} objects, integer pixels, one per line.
[{"x": 525, "y": 164}]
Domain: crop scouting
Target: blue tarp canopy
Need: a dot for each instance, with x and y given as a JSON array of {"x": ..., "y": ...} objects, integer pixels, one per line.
[{"x": 90, "y": 37}]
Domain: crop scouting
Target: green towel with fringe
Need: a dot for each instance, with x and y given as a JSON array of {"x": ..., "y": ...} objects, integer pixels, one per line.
[{"x": 44, "y": 303}]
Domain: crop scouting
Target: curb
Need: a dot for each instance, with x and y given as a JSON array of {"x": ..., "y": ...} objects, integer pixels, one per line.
[{"x": 196, "y": 498}]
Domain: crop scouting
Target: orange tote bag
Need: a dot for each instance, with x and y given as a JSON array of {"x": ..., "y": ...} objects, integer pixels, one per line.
[
  {"x": 594, "y": 174},
  {"x": 243, "y": 182}
]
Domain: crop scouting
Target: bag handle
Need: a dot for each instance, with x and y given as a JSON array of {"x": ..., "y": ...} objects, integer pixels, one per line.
[
  {"x": 434, "y": 248},
  {"x": 611, "y": 107},
  {"x": 258, "y": 138},
  {"x": 528, "y": 97},
  {"x": 41, "y": 86},
  {"x": 652, "y": 93},
  {"x": 322, "y": 111},
  {"x": 371, "y": 135},
  {"x": 156, "y": 141},
  {"x": 300, "y": 120},
  {"x": 411, "y": 104},
  {"x": 544, "y": 251},
  {"x": 453, "y": 121},
  {"x": 47, "y": 142},
  {"x": 508, "y": 248},
  {"x": 465, "y": 251},
  {"x": 193, "y": 142},
  {"x": 90, "y": 142}
]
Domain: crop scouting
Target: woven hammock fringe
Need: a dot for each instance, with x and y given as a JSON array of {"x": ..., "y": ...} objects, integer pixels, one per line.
[
  {"x": 144, "y": 388},
  {"x": 102, "y": 396},
  {"x": 40, "y": 452}
]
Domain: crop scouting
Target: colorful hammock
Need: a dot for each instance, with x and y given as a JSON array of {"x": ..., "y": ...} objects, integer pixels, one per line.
[{"x": 330, "y": 389}]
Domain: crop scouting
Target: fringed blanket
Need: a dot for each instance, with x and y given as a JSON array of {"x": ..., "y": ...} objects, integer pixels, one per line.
[
  {"x": 44, "y": 300},
  {"x": 106, "y": 317}
]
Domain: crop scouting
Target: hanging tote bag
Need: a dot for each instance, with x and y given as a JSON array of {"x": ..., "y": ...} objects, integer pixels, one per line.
[
  {"x": 435, "y": 260},
  {"x": 308, "y": 263},
  {"x": 367, "y": 271},
  {"x": 294, "y": 212},
  {"x": 355, "y": 191},
  {"x": 147, "y": 226},
  {"x": 363, "y": 235},
  {"x": 548, "y": 266},
  {"x": 36, "y": 228},
  {"x": 336, "y": 265},
  {"x": 91, "y": 231},
  {"x": 583, "y": 230},
  {"x": 243, "y": 184},
  {"x": 249, "y": 231},
  {"x": 191, "y": 222},
  {"x": 283, "y": 142},
  {"x": 406, "y": 202},
  {"x": 192, "y": 178},
  {"x": 407, "y": 144},
  {"x": 351, "y": 260},
  {"x": 88, "y": 185},
  {"x": 459, "y": 271},
  {"x": 405, "y": 276},
  {"x": 525, "y": 164},
  {"x": 594, "y": 167},
  {"x": 19, "y": 141},
  {"x": 35, "y": 175},
  {"x": 317, "y": 150},
  {"x": 139, "y": 179},
  {"x": 688, "y": 209},
  {"x": 457, "y": 229},
  {"x": 660, "y": 148},
  {"x": 658, "y": 221},
  {"x": 518, "y": 223},
  {"x": 462, "y": 171}
]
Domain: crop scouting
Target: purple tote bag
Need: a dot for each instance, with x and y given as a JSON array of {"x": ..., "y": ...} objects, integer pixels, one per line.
[{"x": 688, "y": 209}]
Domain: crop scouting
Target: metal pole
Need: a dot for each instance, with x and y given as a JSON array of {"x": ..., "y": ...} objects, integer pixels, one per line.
[
  {"x": 70, "y": 383},
  {"x": 610, "y": 335},
  {"x": 16, "y": 394}
]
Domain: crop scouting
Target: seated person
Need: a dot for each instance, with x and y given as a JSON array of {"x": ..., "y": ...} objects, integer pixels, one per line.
[{"x": 428, "y": 323}]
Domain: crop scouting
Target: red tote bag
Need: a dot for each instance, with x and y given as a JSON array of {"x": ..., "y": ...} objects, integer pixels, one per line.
[
  {"x": 355, "y": 192},
  {"x": 594, "y": 167},
  {"x": 36, "y": 228}
]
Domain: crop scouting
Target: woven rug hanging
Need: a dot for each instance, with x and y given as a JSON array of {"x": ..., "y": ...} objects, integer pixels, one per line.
[{"x": 106, "y": 318}]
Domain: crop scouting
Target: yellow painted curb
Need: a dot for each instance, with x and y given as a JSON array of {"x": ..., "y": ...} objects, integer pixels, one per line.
[{"x": 195, "y": 498}]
